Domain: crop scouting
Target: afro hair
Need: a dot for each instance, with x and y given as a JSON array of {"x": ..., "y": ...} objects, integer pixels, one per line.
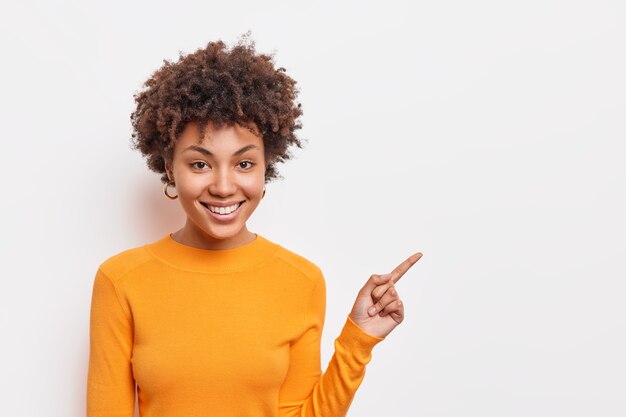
[{"x": 220, "y": 85}]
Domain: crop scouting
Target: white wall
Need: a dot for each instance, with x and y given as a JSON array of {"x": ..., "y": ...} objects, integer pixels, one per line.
[{"x": 488, "y": 135}]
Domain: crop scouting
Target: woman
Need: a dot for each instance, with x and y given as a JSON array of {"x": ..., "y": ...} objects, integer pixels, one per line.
[{"x": 214, "y": 320}]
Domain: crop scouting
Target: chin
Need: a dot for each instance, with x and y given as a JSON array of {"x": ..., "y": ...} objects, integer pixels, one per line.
[{"x": 223, "y": 231}]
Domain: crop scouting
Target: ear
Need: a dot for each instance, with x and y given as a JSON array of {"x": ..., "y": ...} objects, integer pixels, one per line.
[{"x": 168, "y": 170}]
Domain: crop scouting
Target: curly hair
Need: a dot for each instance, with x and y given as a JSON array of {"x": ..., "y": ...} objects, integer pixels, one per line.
[{"x": 223, "y": 86}]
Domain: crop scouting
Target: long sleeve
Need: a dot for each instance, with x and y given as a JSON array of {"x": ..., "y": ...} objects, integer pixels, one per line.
[
  {"x": 110, "y": 382},
  {"x": 305, "y": 392}
]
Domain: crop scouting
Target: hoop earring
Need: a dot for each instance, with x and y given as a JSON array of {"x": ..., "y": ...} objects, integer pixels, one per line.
[{"x": 165, "y": 191}]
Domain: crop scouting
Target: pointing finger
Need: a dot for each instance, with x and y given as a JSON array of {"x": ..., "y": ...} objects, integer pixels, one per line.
[{"x": 401, "y": 269}]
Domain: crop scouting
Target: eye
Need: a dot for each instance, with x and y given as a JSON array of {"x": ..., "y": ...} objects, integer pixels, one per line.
[
  {"x": 250, "y": 164},
  {"x": 195, "y": 164}
]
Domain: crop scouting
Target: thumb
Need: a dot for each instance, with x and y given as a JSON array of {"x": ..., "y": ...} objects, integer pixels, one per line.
[{"x": 374, "y": 281}]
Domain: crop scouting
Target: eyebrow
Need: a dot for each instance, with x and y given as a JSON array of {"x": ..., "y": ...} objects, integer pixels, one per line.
[{"x": 206, "y": 152}]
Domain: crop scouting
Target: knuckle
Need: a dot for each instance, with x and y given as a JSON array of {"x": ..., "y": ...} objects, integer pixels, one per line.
[
  {"x": 380, "y": 290},
  {"x": 386, "y": 298}
]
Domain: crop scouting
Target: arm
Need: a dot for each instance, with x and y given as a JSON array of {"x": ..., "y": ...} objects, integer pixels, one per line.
[
  {"x": 305, "y": 391},
  {"x": 110, "y": 382}
]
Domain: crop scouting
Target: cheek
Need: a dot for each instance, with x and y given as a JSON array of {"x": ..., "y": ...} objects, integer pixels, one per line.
[
  {"x": 253, "y": 187},
  {"x": 189, "y": 187}
]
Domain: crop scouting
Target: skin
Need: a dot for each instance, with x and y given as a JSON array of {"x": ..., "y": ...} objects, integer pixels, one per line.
[
  {"x": 378, "y": 308},
  {"x": 230, "y": 176},
  {"x": 222, "y": 177}
]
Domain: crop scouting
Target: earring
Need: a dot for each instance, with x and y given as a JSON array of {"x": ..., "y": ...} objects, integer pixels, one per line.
[
  {"x": 263, "y": 192},
  {"x": 165, "y": 191}
]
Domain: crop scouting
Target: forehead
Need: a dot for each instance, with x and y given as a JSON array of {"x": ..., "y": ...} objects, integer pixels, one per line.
[{"x": 225, "y": 137}]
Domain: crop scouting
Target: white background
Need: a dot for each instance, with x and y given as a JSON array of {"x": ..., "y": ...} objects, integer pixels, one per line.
[{"x": 489, "y": 135}]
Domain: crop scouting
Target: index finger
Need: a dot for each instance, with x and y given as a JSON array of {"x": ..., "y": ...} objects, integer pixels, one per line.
[{"x": 399, "y": 270}]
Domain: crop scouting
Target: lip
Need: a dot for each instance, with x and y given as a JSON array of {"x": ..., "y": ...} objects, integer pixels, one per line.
[
  {"x": 224, "y": 218},
  {"x": 217, "y": 204}
]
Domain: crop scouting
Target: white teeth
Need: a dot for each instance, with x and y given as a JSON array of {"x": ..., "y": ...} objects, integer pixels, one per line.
[{"x": 223, "y": 210}]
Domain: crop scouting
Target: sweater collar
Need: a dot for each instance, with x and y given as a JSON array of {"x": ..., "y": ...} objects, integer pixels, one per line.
[{"x": 189, "y": 258}]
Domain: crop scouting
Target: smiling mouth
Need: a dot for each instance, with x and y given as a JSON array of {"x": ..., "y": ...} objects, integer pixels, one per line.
[{"x": 224, "y": 211}]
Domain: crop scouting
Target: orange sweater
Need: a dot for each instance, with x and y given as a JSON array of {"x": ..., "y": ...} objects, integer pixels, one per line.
[{"x": 219, "y": 333}]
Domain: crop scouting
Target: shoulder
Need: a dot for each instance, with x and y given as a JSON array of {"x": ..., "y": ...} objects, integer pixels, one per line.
[
  {"x": 117, "y": 266},
  {"x": 299, "y": 263}
]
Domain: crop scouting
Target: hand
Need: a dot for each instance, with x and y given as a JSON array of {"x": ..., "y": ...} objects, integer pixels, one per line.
[{"x": 379, "y": 293}]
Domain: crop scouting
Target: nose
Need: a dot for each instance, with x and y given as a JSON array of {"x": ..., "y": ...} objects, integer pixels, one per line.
[{"x": 223, "y": 183}]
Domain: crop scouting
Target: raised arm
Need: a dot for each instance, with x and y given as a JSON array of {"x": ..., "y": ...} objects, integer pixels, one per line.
[
  {"x": 306, "y": 392},
  {"x": 376, "y": 312}
]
